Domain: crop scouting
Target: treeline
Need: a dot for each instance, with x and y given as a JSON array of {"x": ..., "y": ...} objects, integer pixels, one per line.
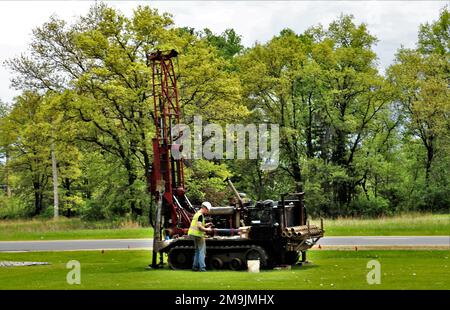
[{"x": 357, "y": 141}]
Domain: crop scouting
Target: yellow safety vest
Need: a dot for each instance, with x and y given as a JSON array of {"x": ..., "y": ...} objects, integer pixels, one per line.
[{"x": 194, "y": 230}]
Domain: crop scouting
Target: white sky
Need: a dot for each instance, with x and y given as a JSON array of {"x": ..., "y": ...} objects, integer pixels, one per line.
[{"x": 395, "y": 23}]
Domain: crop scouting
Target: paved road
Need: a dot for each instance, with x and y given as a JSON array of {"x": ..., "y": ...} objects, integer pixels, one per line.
[
  {"x": 69, "y": 245},
  {"x": 119, "y": 244}
]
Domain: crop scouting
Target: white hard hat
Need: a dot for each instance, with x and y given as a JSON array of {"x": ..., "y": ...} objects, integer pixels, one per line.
[{"x": 207, "y": 205}]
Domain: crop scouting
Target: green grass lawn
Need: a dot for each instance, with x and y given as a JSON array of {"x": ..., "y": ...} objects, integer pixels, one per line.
[
  {"x": 329, "y": 270},
  {"x": 65, "y": 229}
]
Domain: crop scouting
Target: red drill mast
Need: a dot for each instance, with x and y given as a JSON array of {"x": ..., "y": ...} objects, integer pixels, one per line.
[{"x": 167, "y": 177}]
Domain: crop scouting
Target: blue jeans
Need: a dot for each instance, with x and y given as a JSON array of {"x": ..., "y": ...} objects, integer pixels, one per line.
[{"x": 200, "y": 253}]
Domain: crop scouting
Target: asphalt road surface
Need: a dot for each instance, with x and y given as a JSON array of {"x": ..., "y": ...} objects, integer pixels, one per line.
[{"x": 124, "y": 244}]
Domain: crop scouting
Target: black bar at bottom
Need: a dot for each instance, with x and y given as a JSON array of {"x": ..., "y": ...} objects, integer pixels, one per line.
[{"x": 221, "y": 299}]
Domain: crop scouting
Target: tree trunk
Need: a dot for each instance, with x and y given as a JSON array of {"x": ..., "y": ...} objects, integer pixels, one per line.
[
  {"x": 324, "y": 141},
  {"x": 297, "y": 173},
  {"x": 55, "y": 182},
  {"x": 309, "y": 143},
  {"x": 148, "y": 170},
  {"x": 131, "y": 179},
  {"x": 430, "y": 155},
  {"x": 260, "y": 182},
  {"x": 37, "y": 198},
  {"x": 8, "y": 188},
  {"x": 339, "y": 150}
]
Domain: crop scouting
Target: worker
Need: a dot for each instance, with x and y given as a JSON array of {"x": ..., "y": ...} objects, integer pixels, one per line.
[{"x": 197, "y": 231}]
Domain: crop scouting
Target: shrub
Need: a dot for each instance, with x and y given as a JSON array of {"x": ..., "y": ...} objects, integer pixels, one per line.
[
  {"x": 46, "y": 213},
  {"x": 373, "y": 207},
  {"x": 92, "y": 211},
  {"x": 13, "y": 208}
]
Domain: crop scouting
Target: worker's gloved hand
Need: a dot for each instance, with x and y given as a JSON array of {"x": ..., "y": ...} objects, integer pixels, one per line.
[{"x": 209, "y": 224}]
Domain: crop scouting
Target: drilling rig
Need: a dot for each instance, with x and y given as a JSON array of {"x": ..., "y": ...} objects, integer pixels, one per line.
[{"x": 275, "y": 232}]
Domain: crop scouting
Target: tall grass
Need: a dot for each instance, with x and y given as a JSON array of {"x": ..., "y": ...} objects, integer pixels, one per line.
[
  {"x": 62, "y": 224},
  {"x": 404, "y": 224}
]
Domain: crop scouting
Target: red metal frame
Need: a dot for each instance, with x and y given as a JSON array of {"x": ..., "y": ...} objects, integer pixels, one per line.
[{"x": 167, "y": 172}]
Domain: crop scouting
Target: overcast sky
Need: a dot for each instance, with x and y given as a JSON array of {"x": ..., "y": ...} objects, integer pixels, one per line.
[{"x": 394, "y": 23}]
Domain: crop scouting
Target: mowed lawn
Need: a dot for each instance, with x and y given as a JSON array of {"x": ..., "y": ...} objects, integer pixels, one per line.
[
  {"x": 329, "y": 270},
  {"x": 65, "y": 229}
]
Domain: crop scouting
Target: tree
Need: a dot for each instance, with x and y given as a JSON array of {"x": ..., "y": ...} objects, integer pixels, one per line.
[
  {"x": 267, "y": 75},
  {"x": 434, "y": 38},
  {"x": 357, "y": 142},
  {"x": 323, "y": 89},
  {"x": 423, "y": 91},
  {"x": 205, "y": 181},
  {"x": 228, "y": 43},
  {"x": 33, "y": 131},
  {"x": 421, "y": 79},
  {"x": 4, "y": 147},
  {"x": 28, "y": 147},
  {"x": 100, "y": 62}
]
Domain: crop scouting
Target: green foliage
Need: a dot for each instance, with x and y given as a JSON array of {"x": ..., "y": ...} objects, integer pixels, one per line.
[
  {"x": 373, "y": 207},
  {"x": 420, "y": 77},
  {"x": 92, "y": 211},
  {"x": 228, "y": 43},
  {"x": 205, "y": 182},
  {"x": 434, "y": 38},
  {"x": 94, "y": 73},
  {"x": 13, "y": 208},
  {"x": 324, "y": 91},
  {"x": 356, "y": 141}
]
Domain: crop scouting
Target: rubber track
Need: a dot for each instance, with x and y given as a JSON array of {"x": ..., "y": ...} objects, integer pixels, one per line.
[{"x": 229, "y": 248}]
